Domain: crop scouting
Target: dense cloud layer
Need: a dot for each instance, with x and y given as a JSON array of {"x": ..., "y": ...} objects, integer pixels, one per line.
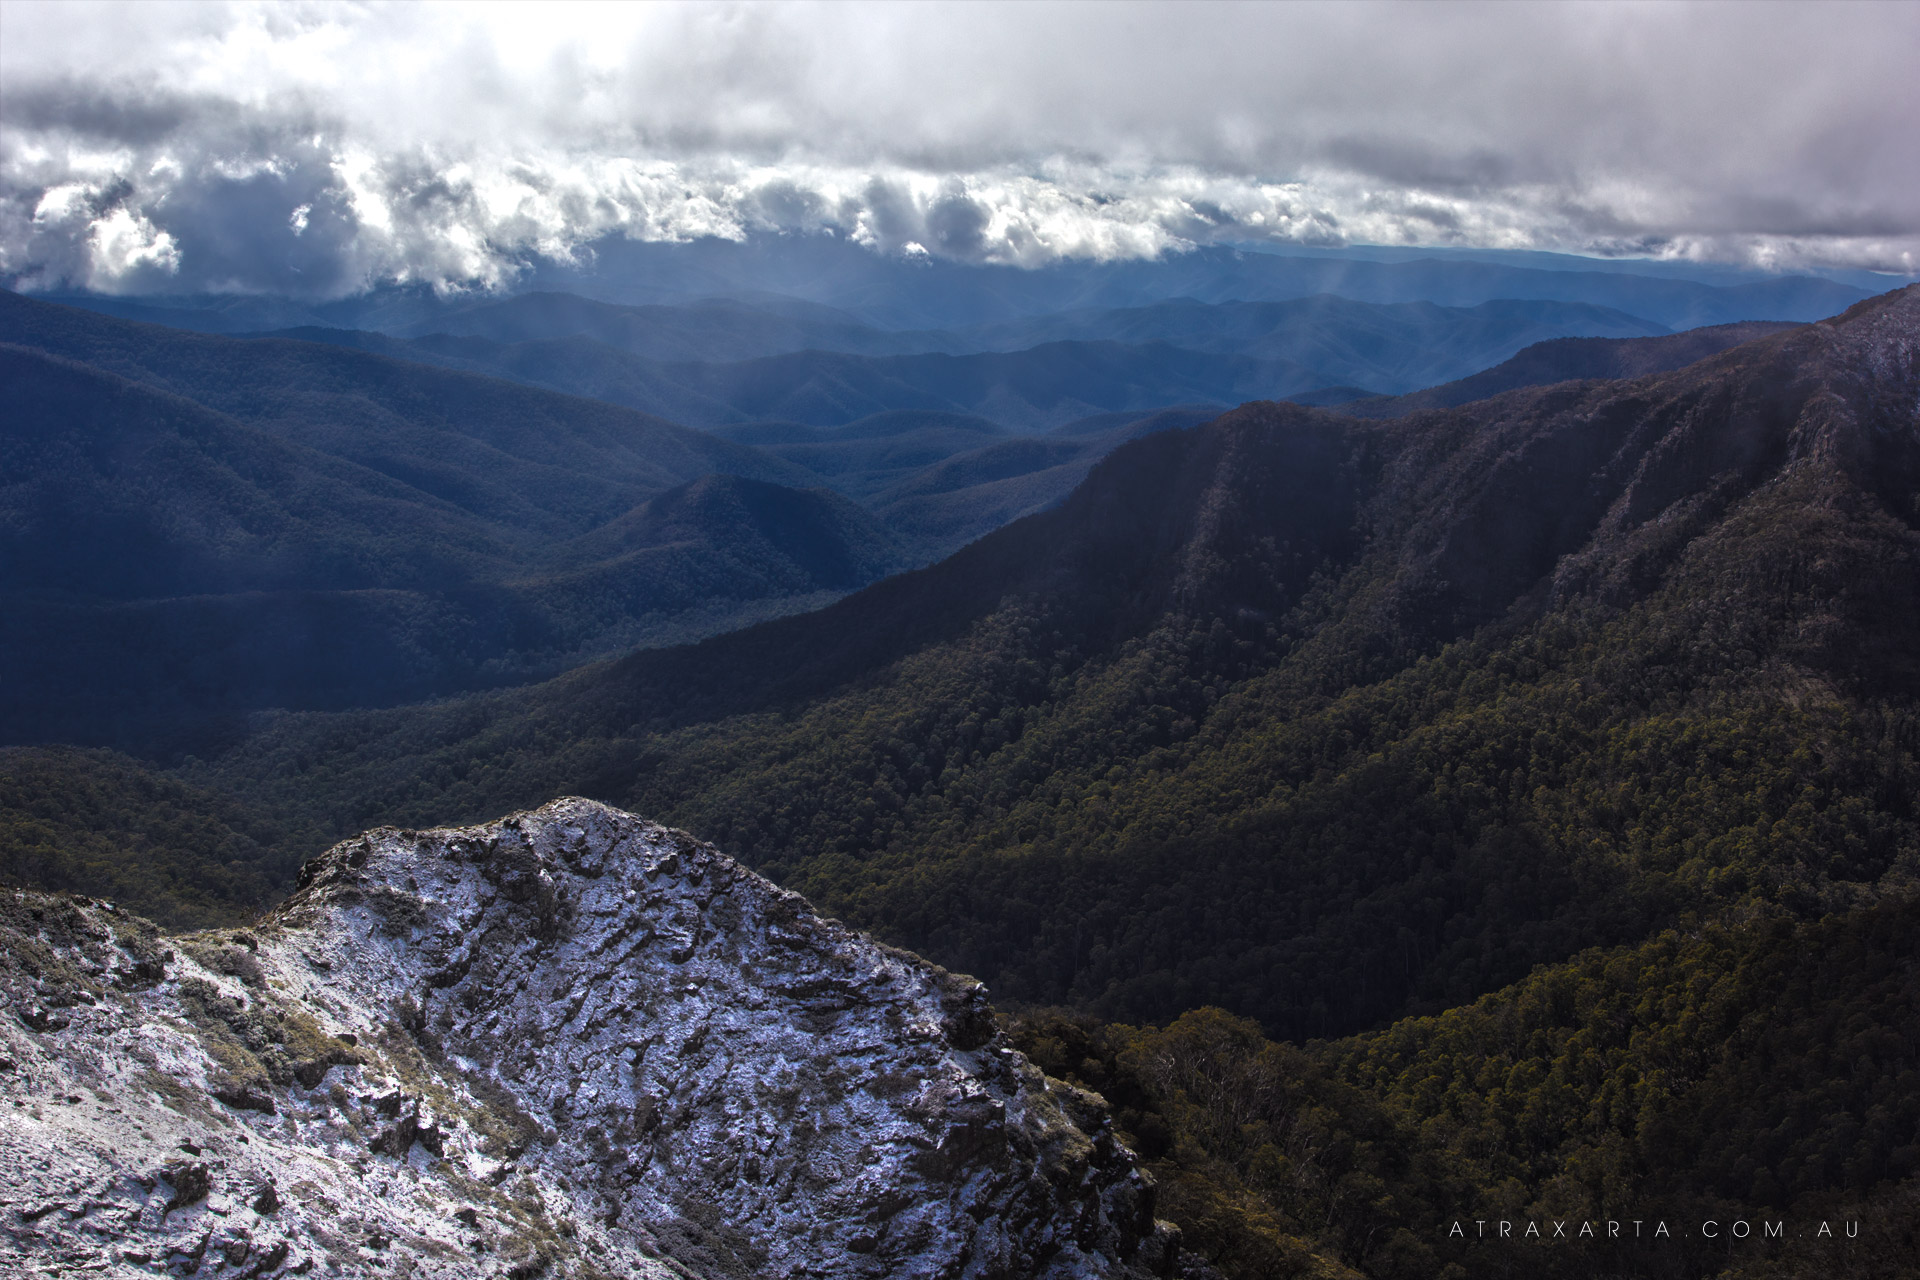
[{"x": 317, "y": 149}]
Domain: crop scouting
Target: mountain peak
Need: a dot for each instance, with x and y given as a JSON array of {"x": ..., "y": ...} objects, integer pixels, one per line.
[{"x": 567, "y": 1034}]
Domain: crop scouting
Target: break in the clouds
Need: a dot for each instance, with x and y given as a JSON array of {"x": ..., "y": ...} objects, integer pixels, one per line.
[{"x": 320, "y": 149}]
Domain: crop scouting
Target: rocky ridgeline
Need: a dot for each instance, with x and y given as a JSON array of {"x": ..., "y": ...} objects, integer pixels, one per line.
[{"x": 569, "y": 1043}]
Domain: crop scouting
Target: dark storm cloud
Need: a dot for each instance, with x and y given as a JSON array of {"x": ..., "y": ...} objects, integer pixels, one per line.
[
  {"x": 957, "y": 223},
  {"x": 319, "y": 148},
  {"x": 1405, "y": 164},
  {"x": 892, "y": 215},
  {"x": 286, "y": 230},
  {"x": 789, "y": 207},
  {"x": 94, "y": 111}
]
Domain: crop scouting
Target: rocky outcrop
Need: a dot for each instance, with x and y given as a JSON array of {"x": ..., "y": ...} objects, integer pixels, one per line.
[{"x": 567, "y": 1043}]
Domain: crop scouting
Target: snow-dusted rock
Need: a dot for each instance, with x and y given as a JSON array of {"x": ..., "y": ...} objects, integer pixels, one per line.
[{"x": 570, "y": 1043}]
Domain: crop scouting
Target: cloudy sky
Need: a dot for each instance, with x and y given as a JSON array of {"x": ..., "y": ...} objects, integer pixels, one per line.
[{"x": 320, "y": 148}]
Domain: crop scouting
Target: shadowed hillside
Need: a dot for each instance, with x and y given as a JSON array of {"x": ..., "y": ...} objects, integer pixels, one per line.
[
  {"x": 1236, "y": 678},
  {"x": 240, "y": 525},
  {"x": 541, "y": 462}
]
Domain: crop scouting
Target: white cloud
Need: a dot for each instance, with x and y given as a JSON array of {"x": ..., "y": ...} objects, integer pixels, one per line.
[
  {"x": 445, "y": 143},
  {"x": 123, "y": 242}
]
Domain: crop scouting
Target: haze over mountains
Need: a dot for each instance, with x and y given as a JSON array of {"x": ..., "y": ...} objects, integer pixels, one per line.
[
  {"x": 1037, "y": 374},
  {"x": 793, "y": 277},
  {"x": 511, "y": 539},
  {"x": 322, "y": 527},
  {"x": 1273, "y": 326}
]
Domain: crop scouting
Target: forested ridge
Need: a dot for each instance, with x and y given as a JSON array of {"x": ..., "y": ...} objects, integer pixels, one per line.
[
  {"x": 1390, "y": 689},
  {"x": 195, "y": 527},
  {"x": 1760, "y": 1072},
  {"x": 1500, "y": 810}
]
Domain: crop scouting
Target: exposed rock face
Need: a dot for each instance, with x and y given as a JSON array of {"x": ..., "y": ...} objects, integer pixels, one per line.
[{"x": 568, "y": 1043}]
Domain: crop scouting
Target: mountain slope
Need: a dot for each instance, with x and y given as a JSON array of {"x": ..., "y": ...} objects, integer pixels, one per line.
[
  {"x": 1747, "y": 1074},
  {"x": 168, "y": 569},
  {"x": 1294, "y": 668},
  {"x": 940, "y": 480},
  {"x": 552, "y": 464},
  {"x": 869, "y": 454},
  {"x": 115, "y": 490},
  {"x": 948, "y": 504},
  {"x": 714, "y": 554},
  {"x": 804, "y": 540},
  {"x": 166, "y": 566},
  {"x": 101, "y": 824}
]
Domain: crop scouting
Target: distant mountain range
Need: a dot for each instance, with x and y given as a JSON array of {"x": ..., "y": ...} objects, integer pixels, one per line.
[
  {"x": 196, "y": 526},
  {"x": 718, "y": 300},
  {"x": 1028, "y": 376},
  {"x": 811, "y": 330},
  {"x": 909, "y": 294},
  {"x": 1568, "y": 360},
  {"x": 338, "y": 526}
]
